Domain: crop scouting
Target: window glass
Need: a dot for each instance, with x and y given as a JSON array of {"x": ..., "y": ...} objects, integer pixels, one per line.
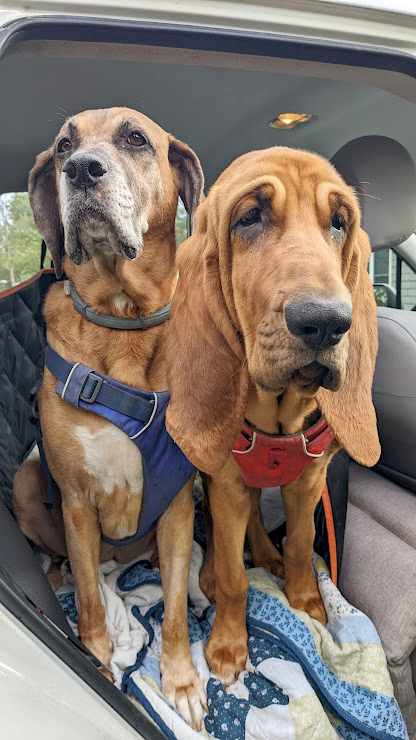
[
  {"x": 382, "y": 273},
  {"x": 408, "y": 292},
  {"x": 383, "y": 269},
  {"x": 182, "y": 224},
  {"x": 20, "y": 243}
]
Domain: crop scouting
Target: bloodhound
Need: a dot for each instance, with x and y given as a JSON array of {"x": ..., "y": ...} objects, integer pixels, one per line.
[
  {"x": 105, "y": 195},
  {"x": 273, "y": 324}
]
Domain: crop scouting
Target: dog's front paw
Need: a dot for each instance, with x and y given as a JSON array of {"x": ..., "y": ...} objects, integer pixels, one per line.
[
  {"x": 309, "y": 602},
  {"x": 102, "y": 647},
  {"x": 183, "y": 689},
  {"x": 107, "y": 674},
  {"x": 275, "y": 566},
  {"x": 226, "y": 654}
]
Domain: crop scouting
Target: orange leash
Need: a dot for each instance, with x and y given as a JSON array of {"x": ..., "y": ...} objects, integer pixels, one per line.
[{"x": 330, "y": 528}]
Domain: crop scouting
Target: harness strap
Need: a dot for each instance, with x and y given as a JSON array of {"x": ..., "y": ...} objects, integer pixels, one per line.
[
  {"x": 115, "y": 322},
  {"x": 47, "y": 473},
  {"x": 94, "y": 389}
]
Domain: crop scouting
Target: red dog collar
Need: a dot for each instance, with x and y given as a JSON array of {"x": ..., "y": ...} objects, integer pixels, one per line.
[{"x": 266, "y": 461}]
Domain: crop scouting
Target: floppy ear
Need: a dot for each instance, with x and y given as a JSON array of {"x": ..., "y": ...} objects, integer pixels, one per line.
[
  {"x": 207, "y": 376},
  {"x": 350, "y": 411},
  {"x": 44, "y": 201},
  {"x": 188, "y": 174}
]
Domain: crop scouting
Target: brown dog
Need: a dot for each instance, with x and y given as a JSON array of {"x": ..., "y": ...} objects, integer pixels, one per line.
[
  {"x": 273, "y": 320},
  {"x": 105, "y": 194}
]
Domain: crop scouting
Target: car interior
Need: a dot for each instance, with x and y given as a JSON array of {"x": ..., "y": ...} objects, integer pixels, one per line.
[{"x": 221, "y": 102}]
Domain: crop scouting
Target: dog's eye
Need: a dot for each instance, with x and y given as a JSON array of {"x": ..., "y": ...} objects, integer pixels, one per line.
[
  {"x": 136, "y": 139},
  {"x": 337, "y": 228},
  {"x": 64, "y": 145},
  {"x": 251, "y": 217}
]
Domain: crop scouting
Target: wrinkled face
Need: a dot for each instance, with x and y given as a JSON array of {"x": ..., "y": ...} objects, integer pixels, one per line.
[
  {"x": 290, "y": 236},
  {"x": 112, "y": 176}
]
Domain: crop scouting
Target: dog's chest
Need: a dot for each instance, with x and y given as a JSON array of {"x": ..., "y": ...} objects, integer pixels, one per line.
[{"x": 112, "y": 458}]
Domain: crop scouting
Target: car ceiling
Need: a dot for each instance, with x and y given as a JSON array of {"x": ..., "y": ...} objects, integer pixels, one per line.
[{"x": 220, "y": 111}]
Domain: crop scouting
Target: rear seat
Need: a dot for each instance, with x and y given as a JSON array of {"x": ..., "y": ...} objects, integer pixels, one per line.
[
  {"x": 379, "y": 566},
  {"x": 378, "y": 572}
]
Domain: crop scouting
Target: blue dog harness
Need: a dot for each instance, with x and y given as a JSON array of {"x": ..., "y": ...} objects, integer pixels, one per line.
[{"x": 140, "y": 415}]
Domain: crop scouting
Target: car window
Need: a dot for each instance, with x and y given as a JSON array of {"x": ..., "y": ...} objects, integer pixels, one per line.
[
  {"x": 394, "y": 280},
  {"x": 408, "y": 289},
  {"x": 20, "y": 243},
  {"x": 182, "y": 227}
]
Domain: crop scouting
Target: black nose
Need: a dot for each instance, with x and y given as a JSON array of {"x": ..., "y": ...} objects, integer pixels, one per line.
[
  {"x": 84, "y": 170},
  {"x": 319, "y": 324}
]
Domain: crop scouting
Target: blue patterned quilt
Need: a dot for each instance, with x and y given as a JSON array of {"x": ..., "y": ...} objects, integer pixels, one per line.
[{"x": 301, "y": 681}]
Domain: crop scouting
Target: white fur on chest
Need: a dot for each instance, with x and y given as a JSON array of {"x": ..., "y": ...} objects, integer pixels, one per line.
[
  {"x": 122, "y": 301},
  {"x": 111, "y": 457}
]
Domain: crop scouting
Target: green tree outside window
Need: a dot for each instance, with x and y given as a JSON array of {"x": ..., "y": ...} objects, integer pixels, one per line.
[{"x": 20, "y": 243}]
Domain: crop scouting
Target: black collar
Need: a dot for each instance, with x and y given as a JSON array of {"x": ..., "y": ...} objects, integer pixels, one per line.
[{"x": 115, "y": 322}]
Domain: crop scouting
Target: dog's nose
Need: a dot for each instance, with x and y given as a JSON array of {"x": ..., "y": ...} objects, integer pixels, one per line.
[
  {"x": 319, "y": 323},
  {"x": 84, "y": 170}
]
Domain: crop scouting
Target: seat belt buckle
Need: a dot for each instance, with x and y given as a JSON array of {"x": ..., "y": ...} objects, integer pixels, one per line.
[{"x": 98, "y": 383}]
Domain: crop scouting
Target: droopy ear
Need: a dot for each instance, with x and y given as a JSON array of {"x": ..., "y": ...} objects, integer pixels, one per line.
[
  {"x": 44, "y": 201},
  {"x": 207, "y": 376},
  {"x": 350, "y": 411},
  {"x": 188, "y": 174}
]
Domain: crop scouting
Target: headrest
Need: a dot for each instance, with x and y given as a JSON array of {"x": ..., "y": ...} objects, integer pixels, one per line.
[
  {"x": 394, "y": 395},
  {"x": 384, "y": 176}
]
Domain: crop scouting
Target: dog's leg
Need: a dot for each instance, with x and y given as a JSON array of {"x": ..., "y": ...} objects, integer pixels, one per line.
[
  {"x": 226, "y": 651},
  {"x": 180, "y": 681},
  {"x": 45, "y": 528},
  {"x": 300, "y": 500},
  {"x": 54, "y": 572},
  {"x": 263, "y": 551},
  {"x": 83, "y": 539}
]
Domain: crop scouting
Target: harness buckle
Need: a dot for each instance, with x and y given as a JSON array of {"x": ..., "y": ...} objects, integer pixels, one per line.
[
  {"x": 98, "y": 383},
  {"x": 304, "y": 443}
]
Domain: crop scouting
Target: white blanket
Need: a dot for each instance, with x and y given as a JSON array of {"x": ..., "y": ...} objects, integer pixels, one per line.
[{"x": 302, "y": 680}]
